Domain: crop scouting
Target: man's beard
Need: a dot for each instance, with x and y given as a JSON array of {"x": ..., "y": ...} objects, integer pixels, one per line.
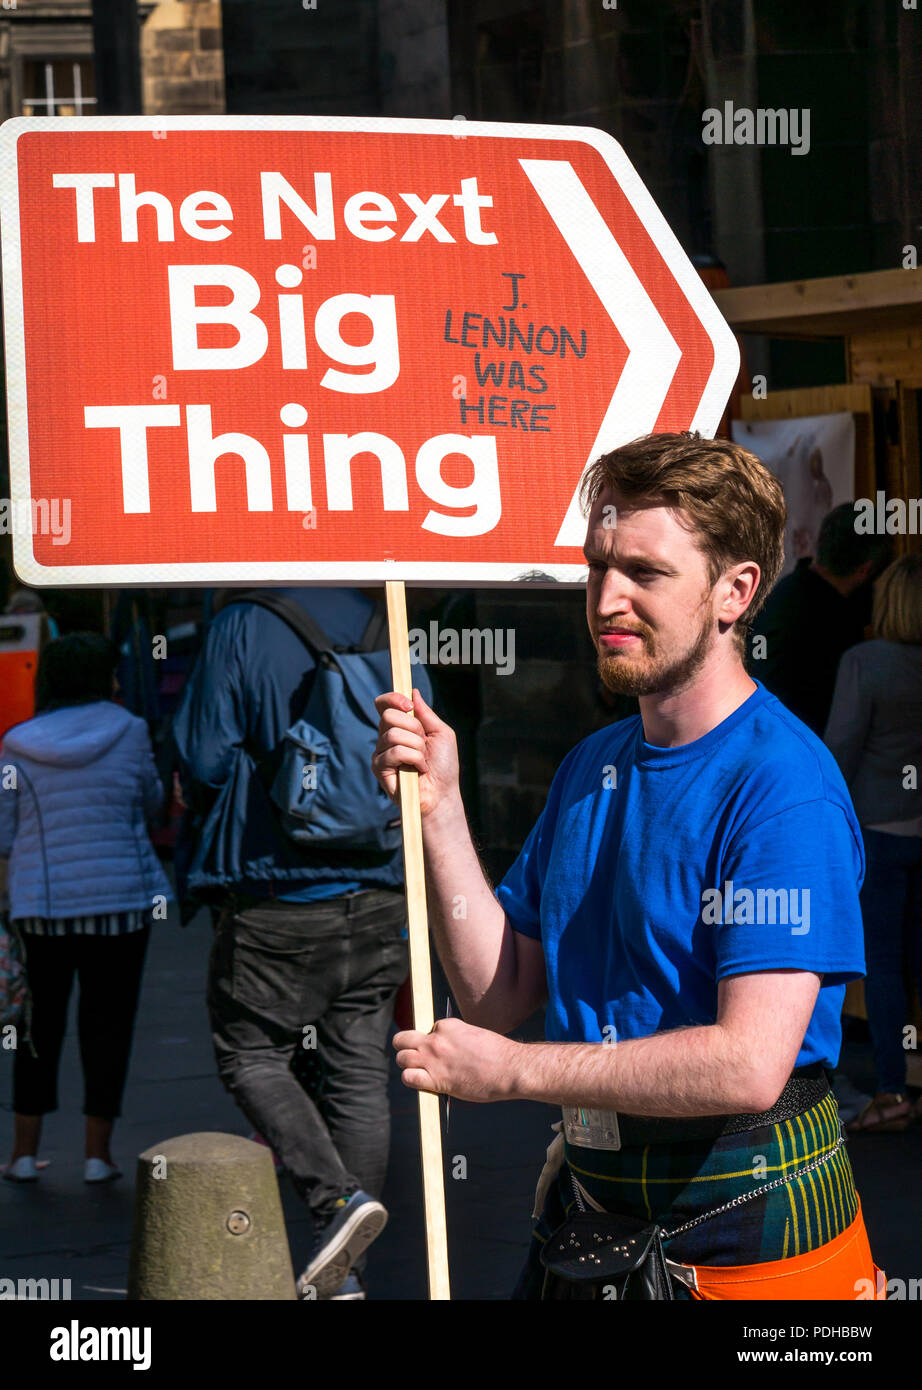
[{"x": 626, "y": 677}]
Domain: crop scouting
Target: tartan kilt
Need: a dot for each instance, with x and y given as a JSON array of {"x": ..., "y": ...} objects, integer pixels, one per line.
[{"x": 672, "y": 1183}]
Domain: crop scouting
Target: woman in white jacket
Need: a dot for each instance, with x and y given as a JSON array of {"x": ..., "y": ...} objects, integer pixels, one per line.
[{"x": 79, "y": 785}]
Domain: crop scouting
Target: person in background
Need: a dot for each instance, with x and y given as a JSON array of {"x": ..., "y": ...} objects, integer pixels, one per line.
[
  {"x": 305, "y": 938},
  {"x": 28, "y": 601},
  {"x": 814, "y": 614},
  {"x": 875, "y": 734},
  {"x": 78, "y": 788}
]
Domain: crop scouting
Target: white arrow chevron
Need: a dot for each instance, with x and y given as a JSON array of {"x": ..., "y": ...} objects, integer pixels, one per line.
[{"x": 653, "y": 353}]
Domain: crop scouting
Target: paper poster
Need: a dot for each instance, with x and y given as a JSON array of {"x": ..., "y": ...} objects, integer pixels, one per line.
[{"x": 813, "y": 457}]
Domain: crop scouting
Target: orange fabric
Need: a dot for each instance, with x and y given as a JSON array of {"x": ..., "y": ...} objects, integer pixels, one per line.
[
  {"x": 841, "y": 1269},
  {"x": 17, "y": 681}
]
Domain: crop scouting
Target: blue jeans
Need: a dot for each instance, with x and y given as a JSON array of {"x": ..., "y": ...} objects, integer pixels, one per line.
[
  {"x": 891, "y": 906},
  {"x": 301, "y": 999}
]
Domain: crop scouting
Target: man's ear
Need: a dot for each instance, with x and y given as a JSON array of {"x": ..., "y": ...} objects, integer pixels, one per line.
[{"x": 749, "y": 569}]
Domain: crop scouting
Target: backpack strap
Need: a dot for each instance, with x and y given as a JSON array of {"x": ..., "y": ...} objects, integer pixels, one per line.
[
  {"x": 374, "y": 638},
  {"x": 267, "y": 763},
  {"x": 310, "y": 632}
]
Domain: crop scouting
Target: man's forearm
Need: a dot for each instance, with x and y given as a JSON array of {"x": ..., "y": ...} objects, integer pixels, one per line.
[
  {"x": 476, "y": 950},
  {"x": 692, "y": 1071}
]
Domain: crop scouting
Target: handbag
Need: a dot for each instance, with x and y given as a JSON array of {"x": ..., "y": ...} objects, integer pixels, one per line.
[{"x": 12, "y": 978}]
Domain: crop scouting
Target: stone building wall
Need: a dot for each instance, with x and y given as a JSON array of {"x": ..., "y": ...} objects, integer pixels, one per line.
[
  {"x": 182, "y": 66},
  {"x": 182, "y": 60},
  {"x": 32, "y": 31}
]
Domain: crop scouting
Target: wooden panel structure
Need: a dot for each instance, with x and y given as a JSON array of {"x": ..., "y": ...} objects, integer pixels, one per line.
[
  {"x": 879, "y": 316},
  {"x": 835, "y": 306},
  {"x": 808, "y": 400},
  {"x": 826, "y": 400},
  {"x": 885, "y": 357},
  {"x": 909, "y": 408}
]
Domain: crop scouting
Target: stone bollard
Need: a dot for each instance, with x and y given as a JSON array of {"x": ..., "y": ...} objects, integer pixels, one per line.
[{"x": 208, "y": 1222}]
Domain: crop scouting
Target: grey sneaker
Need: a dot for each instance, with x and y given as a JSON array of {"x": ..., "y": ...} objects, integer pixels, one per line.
[
  {"x": 350, "y": 1290},
  {"x": 358, "y": 1222}
]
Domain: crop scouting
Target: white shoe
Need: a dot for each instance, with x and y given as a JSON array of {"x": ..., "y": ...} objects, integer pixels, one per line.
[
  {"x": 25, "y": 1169},
  {"x": 97, "y": 1170}
]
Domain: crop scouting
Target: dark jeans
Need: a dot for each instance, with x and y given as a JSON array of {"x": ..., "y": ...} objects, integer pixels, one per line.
[
  {"x": 891, "y": 905},
  {"x": 284, "y": 976},
  {"x": 109, "y": 970}
]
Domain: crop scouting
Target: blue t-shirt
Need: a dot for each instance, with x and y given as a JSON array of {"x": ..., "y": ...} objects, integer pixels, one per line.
[{"x": 653, "y": 873}]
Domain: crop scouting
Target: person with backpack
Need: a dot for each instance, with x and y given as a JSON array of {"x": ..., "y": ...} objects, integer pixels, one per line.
[
  {"x": 300, "y": 850},
  {"x": 78, "y": 790}
]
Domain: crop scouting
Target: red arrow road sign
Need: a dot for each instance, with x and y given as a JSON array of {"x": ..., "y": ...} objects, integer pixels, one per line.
[{"x": 317, "y": 349}]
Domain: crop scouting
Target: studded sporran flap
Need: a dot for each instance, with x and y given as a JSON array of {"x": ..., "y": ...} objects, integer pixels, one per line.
[{"x": 597, "y": 1255}]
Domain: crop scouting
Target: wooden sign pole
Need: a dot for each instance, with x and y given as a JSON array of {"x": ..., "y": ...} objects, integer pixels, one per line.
[{"x": 430, "y": 1136}]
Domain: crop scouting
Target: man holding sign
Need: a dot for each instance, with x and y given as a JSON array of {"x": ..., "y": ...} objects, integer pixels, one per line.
[
  {"x": 404, "y": 333},
  {"x": 689, "y": 894}
]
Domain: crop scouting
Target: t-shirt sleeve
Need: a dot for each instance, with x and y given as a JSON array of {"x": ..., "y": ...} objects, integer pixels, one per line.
[
  {"x": 789, "y": 896},
  {"x": 519, "y": 894}
]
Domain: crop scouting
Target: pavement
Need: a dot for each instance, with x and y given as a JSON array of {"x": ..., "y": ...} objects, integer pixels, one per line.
[{"x": 58, "y": 1228}]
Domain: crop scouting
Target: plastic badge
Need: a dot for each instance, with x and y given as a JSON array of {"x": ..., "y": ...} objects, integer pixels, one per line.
[{"x": 591, "y": 1129}]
